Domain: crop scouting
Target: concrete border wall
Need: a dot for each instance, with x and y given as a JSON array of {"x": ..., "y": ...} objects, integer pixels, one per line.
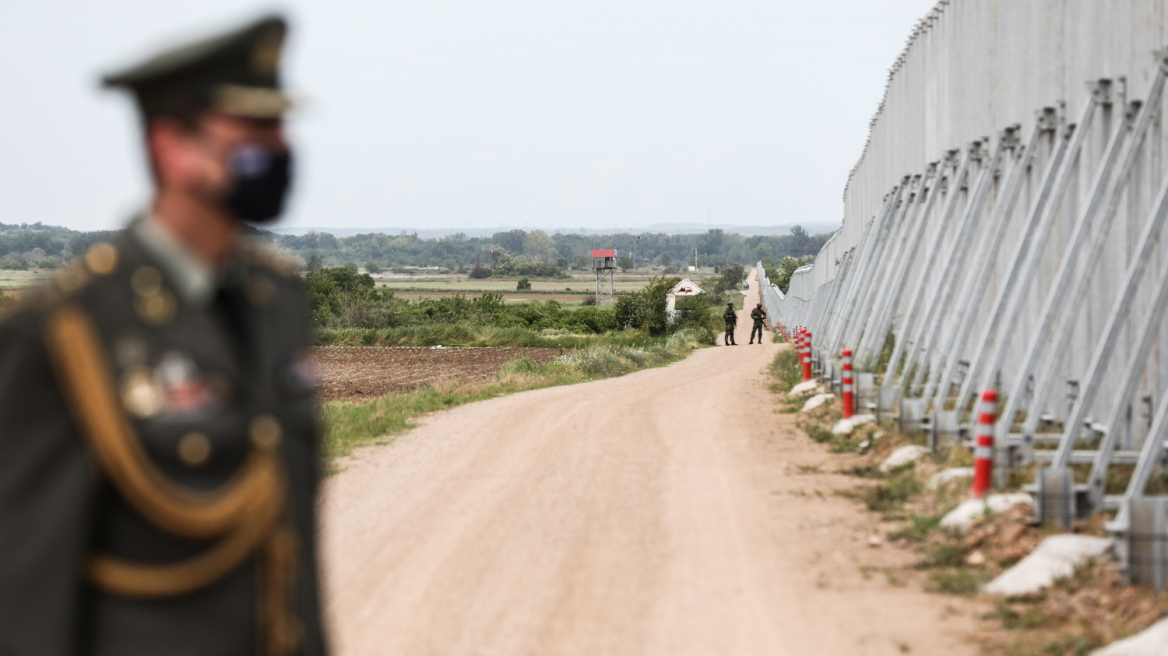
[{"x": 972, "y": 69}]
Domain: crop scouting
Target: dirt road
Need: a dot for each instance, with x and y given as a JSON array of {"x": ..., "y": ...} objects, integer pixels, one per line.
[{"x": 669, "y": 512}]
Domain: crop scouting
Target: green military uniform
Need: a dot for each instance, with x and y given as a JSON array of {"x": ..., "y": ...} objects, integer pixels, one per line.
[
  {"x": 160, "y": 455},
  {"x": 731, "y": 319},
  {"x": 759, "y": 316}
]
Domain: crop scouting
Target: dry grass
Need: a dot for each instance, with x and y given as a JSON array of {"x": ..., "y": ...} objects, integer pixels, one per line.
[
  {"x": 350, "y": 424},
  {"x": 1075, "y": 616}
]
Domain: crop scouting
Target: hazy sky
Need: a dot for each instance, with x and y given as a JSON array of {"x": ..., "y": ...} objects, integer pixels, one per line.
[{"x": 440, "y": 113}]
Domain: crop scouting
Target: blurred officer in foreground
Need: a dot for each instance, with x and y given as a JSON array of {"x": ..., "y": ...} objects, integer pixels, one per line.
[
  {"x": 759, "y": 316},
  {"x": 159, "y": 455},
  {"x": 731, "y": 319}
]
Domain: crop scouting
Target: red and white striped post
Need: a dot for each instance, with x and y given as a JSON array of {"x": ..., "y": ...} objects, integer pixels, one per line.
[
  {"x": 983, "y": 464},
  {"x": 846, "y": 383},
  {"x": 806, "y": 355},
  {"x": 801, "y": 346},
  {"x": 798, "y": 338}
]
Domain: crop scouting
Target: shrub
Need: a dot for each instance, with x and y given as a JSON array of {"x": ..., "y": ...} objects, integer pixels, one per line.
[
  {"x": 781, "y": 277},
  {"x": 696, "y": 312},
  {"x": 372, "y": 267},
  {"x": 334, "y": 292},
  {"x": 732, "y": 276},
  {"x": 478, "y": 272},
  {"x": 510, "y": 265},
  {"x": 592, "y": 319},
  {"x": 522, "y": 284},
  {"x": 645, "y": 309}
]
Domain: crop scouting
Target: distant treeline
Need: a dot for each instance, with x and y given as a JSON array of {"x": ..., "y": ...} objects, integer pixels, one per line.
[
  {"x": 35, "y": 246},
  {"x": 27, "y": 246},
  {"x": 568, "y": 250}
]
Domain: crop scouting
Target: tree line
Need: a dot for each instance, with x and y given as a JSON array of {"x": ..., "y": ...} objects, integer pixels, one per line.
[
  {"x": 532, "y": 253},
  {"x": 567, "y": 251}
]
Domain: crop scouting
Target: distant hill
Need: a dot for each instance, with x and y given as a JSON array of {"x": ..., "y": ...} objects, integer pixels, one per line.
[
  {"x": 37, "y": 246},
  {"x": 657, "y": 228},
  {"x": 28, "y": 228}
]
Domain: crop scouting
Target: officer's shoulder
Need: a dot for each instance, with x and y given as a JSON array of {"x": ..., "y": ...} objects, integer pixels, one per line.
[
  {"x": 77, "y": 277},
  {"x": 270, "y": 259}
]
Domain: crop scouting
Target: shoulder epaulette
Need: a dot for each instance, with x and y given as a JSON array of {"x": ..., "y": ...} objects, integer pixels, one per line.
[
  {"x": 99, "y": 261},
  {"x": 276, "y": 261}
]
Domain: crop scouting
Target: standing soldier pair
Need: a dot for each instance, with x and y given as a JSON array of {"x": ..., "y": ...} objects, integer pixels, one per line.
[
  {"x": 731, "y": 319},
  {"x": 159, "y": 450},
  {"x": 759, "y": 315}
]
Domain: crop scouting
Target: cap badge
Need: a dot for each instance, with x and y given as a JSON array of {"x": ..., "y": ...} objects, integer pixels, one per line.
[{"x": 266, "y": 56}]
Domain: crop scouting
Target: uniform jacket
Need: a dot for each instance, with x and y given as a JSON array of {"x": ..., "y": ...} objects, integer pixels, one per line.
[
  {"x": 730, "y": 316},
  {"x": 179, "y": 370},
  {"x": 759, "y": 316}
]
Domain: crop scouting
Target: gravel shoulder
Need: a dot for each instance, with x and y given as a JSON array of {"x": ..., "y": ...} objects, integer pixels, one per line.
[{"x": 672, "y": 511}]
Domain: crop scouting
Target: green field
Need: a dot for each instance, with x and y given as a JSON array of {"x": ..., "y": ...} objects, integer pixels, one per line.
[
  {"x": 569, "y": 291},
  {"x": 10, "y": 279}
]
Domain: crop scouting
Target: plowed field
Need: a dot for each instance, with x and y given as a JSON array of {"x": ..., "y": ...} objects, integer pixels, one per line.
[{"x": 365, "y": 372}]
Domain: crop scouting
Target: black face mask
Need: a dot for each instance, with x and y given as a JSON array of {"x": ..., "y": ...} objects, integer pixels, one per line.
[{"x": 262, "y": 178}]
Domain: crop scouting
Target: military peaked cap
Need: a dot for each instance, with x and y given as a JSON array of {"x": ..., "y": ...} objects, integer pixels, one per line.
[{"x": 236, "y": 72}]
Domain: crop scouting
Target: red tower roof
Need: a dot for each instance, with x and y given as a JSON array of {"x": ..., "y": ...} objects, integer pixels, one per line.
[{"x": 604, "y": 252}]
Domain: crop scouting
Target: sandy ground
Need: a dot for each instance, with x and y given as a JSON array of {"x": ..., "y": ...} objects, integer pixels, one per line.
[{"x": 668, "y": 512}]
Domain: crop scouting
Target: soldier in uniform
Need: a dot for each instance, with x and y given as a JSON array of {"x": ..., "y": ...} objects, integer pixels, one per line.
[
  {"x": 159, "y": 451},
  {"x": 759, "y": 316},
  {"x": 731, "y": 319}
]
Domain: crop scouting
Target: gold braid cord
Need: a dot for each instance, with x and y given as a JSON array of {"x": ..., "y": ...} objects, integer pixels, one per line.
[{"x": 244, "y": 515}]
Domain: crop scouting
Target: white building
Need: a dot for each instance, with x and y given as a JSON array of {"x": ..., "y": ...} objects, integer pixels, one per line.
[{"x": 684, "y": 288}]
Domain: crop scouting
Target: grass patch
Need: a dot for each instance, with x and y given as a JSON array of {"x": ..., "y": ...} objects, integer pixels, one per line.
[
  {"x": 461, "y": 334},
  {"x": 787, "y": 372},
  {"x": 958, "y": 582},
  {"x": 1075, "y": 615},
  {"x": 792, "y": 404},
  {"x": 918, "y": 527},
  {"x": 348, "y": 424},
  {"x": 835, "y": 443},
  {"x": 946, "y": 553},
  {"x": 886, "y": 353},
  {"x": 864, "y": 471},
  {"x": 1021, "y": 616},
  {"x": 890, "y": 496}
]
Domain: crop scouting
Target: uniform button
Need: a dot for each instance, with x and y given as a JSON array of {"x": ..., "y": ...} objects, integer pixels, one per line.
[
  {"x": 73, "y": 277},
  {"x": 102, "y": 259},
  {"x": 156, "y": 310},
  {"x": 153, "y": 303},
  {"x": 131, "y": 351},
  {"x": 194, "y": 449},
  {"x": 142, "y": 393},
  {"x": 260, "y": 290},
  {"x": 265, "y": 431},
  {"x": 146, "y": 281}
]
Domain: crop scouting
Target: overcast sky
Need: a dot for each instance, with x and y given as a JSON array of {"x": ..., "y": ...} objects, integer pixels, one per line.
[{"x": 441, "y": 113}]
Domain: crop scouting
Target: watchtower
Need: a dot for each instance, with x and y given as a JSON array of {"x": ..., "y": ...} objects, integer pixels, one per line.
[{"x": 604, "y": 264}]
